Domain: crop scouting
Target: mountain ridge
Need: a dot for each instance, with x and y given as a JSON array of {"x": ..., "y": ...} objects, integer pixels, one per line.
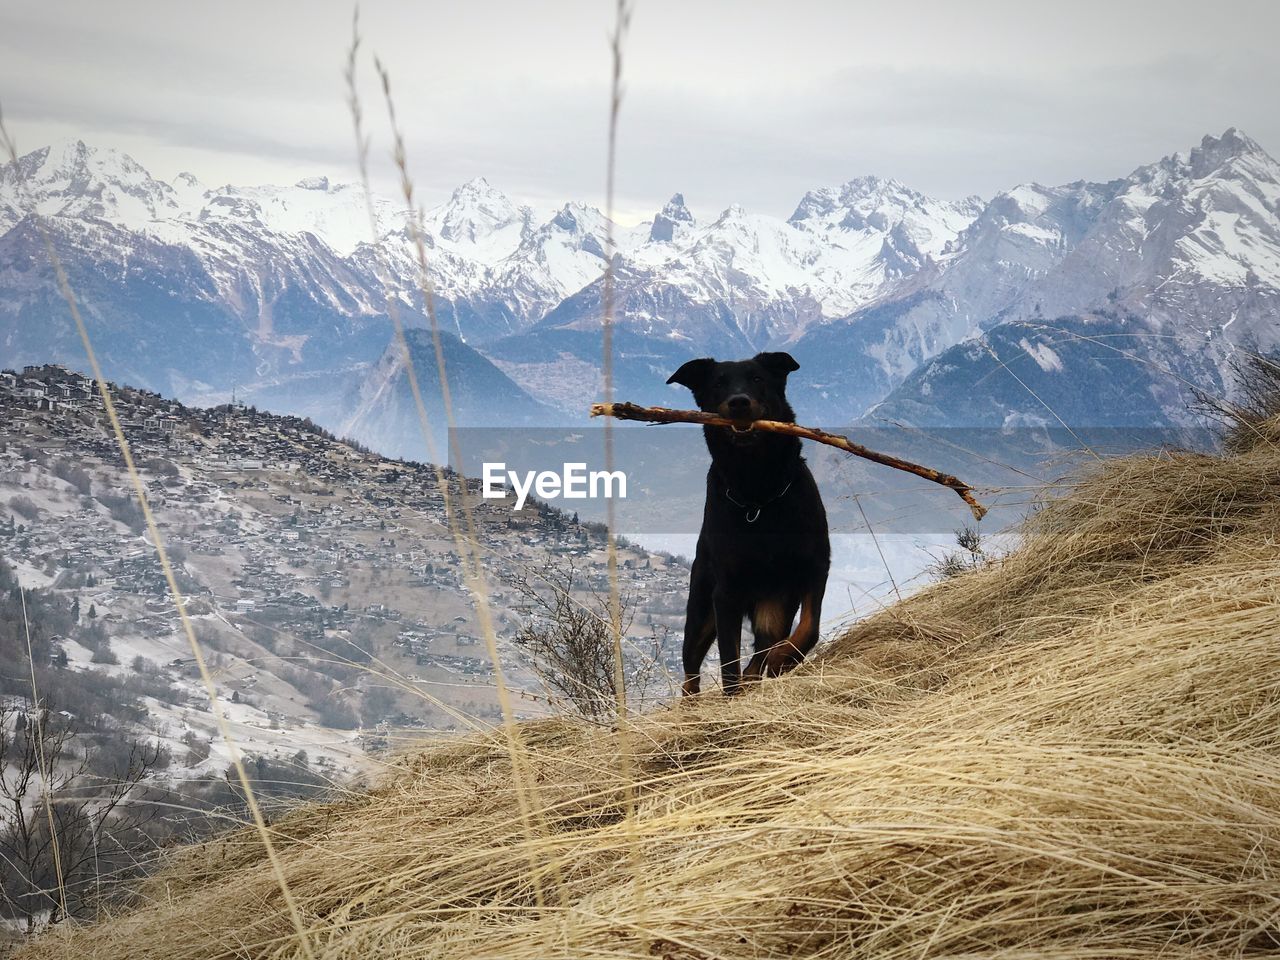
[
  {"x": 865, "y": 282},
  {"x": 1186, "y": 249}
]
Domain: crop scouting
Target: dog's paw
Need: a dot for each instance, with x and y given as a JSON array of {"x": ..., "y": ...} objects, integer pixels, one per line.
[{"x": 780, "y": 659}]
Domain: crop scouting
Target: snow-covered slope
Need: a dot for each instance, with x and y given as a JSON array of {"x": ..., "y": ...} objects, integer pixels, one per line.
[
  {"x": 334, "y": 213},
  {"x": 836, "y": 252},
  {"x": 1183, "y": 253},
  {"x": 74, "y": 180},
  {"x": 740, "y": 283}
]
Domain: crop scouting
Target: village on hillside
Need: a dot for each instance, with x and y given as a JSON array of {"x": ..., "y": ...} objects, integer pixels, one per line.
[{"x": 324, "y": 581}]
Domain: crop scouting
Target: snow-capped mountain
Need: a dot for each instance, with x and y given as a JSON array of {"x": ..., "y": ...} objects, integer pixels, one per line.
[
  {"x": 287, "y": 281},
  {"x": 334, "y": 213},
  {"x": 740, "y": 283},
  {"x": 198, "y": 291},
  {"x": 875, "y": 232},
  {"x": 1182, "y": 254},
  {"x": 479, "y": 222},
  {"x": 552, "y": 261},
  {"x": 673, "y": 223},
  {"x": 179, "y": 286},
  {"x": 194, "y": 290},
  {"x": 75, "y": 180},
  {"x": 839, "y": 248}
]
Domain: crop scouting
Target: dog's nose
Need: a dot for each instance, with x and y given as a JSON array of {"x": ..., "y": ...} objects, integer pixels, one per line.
[{"x": 739, "y": 405}]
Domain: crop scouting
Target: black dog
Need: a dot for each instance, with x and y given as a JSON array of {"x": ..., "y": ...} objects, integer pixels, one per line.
[{"x": 763, "y": 551}]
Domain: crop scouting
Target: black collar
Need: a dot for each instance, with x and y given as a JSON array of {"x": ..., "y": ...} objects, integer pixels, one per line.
[{"x": 753, "y": 509}]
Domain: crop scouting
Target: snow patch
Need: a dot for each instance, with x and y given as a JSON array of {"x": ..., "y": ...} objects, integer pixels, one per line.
[{"x": 1043, "y": 355}]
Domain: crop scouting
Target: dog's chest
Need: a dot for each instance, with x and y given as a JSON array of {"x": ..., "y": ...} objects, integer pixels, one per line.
[{"x": 768, "y": 546}]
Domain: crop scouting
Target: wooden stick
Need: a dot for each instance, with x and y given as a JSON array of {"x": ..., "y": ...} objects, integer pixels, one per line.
[{"x": 632, "y": 411}]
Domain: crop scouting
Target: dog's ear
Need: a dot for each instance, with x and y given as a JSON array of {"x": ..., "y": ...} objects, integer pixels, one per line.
[
  {"x": 778, "y": 364},
  {"x": 693, "y": 374}
]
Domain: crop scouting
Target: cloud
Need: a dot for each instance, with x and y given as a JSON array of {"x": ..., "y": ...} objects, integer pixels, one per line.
[{"x": 724, "y": 101}]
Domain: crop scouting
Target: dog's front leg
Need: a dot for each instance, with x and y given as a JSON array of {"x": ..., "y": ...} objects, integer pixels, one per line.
[
  {"x": 699, "y": 626},
  {"x": 729, "y": 615}
]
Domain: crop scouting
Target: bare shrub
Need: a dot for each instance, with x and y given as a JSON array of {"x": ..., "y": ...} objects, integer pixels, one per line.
[
  {"x": 198, "y": 748},
  {"x": 336, "y": 713},
  {"x": 570, "y": 640},
  {"x": 161, "y": 467},
  {"x": 1253, "y": 415},
  {"x": 971, "y": 556},
  {"x": 62, "y": 825},
  {"x": 126, "y": 510},
  {"x": 104, "y": 655}
]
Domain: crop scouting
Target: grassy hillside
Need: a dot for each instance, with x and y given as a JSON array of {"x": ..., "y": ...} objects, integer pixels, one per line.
[{"x": 1072, "y": 753}]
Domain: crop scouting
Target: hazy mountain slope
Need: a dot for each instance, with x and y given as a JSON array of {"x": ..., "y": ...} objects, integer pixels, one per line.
[
  {"x": 125, "y": 283},
  {"x": 374, "y": 402},
  {"x": 1078, "y": 370}
]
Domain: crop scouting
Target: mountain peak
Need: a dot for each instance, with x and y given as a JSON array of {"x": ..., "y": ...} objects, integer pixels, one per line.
[
  {"x": 578, "y": 218},
  {"x": 814, "y": 204},
  {"x": 1233, "y": 142},
  {"x": 473, "y": 188},
  {"x": 474, "y": 211},
  {"x": 74, "y": 159},
  {"x": 63, "y": 151},
  {"x": 74, "y": 179},
  {"x": 665, "y": 227},
  {"x": 869, "y": 185},
  {"x": 676, "y": 209},
  {"x": 864, "y": 193},
  {"x": 313, "y": 183},
  {"x": 1232, "y": 154},
  {"x": 1215, "y": 152}
]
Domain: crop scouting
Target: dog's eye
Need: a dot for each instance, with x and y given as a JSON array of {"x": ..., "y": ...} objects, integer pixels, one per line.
[{"x": 757, "y": 379}]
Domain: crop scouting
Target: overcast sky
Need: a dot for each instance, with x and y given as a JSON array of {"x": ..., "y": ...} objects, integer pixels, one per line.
[{"x": 729, "y": 101}]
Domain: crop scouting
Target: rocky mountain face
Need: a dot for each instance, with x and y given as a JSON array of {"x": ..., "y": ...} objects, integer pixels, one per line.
[
  {"x": 281, "y": 293},
  {"x": 1155, "y": 281},
  {"x": 742, "y": 282}
]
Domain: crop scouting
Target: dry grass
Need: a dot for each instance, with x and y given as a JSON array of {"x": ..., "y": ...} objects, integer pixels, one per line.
[{"x": 1073, "y": 753}]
